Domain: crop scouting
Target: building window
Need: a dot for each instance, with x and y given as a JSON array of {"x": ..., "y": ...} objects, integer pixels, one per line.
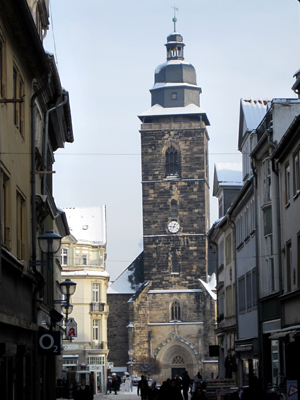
[
  {"x": 175, "y": 311},
  {"x": 174, "y": 96},
  {"x": 174, "y": 210},
  {"x": 221, "y": 206},
  {"x": 84, "y": 259},
  {"x": 287, "y": 185},
  {"x": 289, "y": 266},
  {"x": 96, "y": 360},
  {"x": 96, "y": 292},
  {"x": 5, "y": 215},
  {"x": 229, "y": 303},
  {"x": 18, "y": 94},
  {"x": 96, "y": 330},
  {"x": 228, "y": 249},
  {"x": 172, "y": 165},
  {"x": 254, "y": 288},
  {"x": 221, "y": 253},
  {"x": 266, "y": 180},
  {"x": 249, "y": 291},
  {"x": 242, "y": 297},
  {"x": 21, "y": 224},
  {"x": 175, "y": 264},
  {"x": 296, "y": 174},
  {"x": 64, "y": 256}
]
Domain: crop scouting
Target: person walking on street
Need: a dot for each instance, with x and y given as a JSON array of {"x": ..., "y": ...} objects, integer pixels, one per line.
[
  {"x": 143, "y": 388},
  {"x": 185, "y": 384}
]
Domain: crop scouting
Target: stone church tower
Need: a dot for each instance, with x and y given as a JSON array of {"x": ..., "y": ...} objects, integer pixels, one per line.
[{"x": 172, "y": 312}]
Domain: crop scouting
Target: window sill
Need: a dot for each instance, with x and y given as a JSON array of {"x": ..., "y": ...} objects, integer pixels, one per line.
[
  {"x": 171, "y": 177},
  {"x": 175, "y": 273}
]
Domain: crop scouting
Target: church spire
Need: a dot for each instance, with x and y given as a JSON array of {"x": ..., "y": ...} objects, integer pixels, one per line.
[{"x": 175, "y": 19}]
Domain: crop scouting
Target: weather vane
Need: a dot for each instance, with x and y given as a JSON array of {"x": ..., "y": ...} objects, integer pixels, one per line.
[{"x": 175, "y": 19}]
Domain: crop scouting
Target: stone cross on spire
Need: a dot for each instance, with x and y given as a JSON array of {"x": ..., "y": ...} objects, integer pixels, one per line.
[{"x": 175, "y": 19}]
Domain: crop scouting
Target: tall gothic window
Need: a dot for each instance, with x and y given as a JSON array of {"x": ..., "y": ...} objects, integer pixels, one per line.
[
  {"x": 172, "y": 164},
  {"x": 174, "y": 210},
  {"x": 175, "y": 311},
  {"x": 175, "y": 264}
]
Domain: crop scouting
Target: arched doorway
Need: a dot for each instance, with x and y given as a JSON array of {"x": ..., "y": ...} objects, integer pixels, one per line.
[{"x": 176, "y": 357}]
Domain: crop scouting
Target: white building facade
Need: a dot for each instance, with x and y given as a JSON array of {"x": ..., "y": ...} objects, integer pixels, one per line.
[{"x": 83, "y": 255}]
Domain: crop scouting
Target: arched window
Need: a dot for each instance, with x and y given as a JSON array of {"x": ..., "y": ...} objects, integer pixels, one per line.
[
  {"x": 172, "y": 164},
  {"x": 174, "y": 210},
  {"x": 175, "y": 311}
]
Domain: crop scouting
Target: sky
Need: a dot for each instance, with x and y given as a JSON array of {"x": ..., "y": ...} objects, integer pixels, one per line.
[{"x": 106, "y": 53}]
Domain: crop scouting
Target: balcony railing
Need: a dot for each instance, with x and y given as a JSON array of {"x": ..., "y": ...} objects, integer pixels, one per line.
[{"x": 97, "y": 307}]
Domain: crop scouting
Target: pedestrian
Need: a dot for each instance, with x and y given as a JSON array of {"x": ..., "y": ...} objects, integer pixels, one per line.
[
  {"x": 153, "y": 392},
  {"x": 173, "y": 392},
  {"x": 114, "y": 384},
  {"x": 199, "y": 394},
  {"x": 108, "y": 385},
  {"x": 185, "y": 384},
  {"x": 143, "y": 388}
]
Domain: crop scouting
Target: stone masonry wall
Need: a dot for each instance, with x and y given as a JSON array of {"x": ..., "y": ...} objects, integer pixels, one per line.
[{"x": 117, "y": 323}]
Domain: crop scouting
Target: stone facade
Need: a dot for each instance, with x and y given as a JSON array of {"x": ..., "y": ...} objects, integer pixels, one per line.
[{"x": 172, "y": 309}]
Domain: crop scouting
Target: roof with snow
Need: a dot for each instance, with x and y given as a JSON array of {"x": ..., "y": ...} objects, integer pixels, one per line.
[
  {"x": 87, "y": 224},
  {"x": 252, "y": 112},
  {"x": 227, "y": 175},
  {"x": 129, "y": 281},
  {"x": 210, "y": 286},
  {"x": 85, "y": 272},
  {"x": 158, "y": 110}
]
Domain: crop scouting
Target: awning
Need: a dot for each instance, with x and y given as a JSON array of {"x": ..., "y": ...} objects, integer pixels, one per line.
[
  {"x": 70, "y": 356},
  {"x": 243, "y": 347},
  {"x": 282, "y": 334},
  {"x": 119, "y": 369}
]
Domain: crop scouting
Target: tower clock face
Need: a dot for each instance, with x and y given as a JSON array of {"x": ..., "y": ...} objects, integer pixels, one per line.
[{"x": 173, "y": 227}]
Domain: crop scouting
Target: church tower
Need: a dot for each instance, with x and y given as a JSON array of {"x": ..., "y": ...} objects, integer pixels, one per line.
[
  {"x": 172, "y": 314},
  {"x": 175, "y": 184}
]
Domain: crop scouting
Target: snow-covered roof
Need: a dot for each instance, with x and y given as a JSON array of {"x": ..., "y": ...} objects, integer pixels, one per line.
[
  {"x": 87, "y": 224},
  {"x": 254, "y": 111},
  {"x": 170, "y": 62},
  {"x": 210, "y": 285},
  {"x": 129, "y": 280},
  {"x": 85, "y": 272},
  {"x": 158, "y": 110},
  {"x": 159, "y": 85},
  {"x": 229, "y": 173}
]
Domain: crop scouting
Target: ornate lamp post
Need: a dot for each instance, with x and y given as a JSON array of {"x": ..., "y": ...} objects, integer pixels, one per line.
[
  {"x": 49, "y": 243},
  {"x": 130, "y": 353}
]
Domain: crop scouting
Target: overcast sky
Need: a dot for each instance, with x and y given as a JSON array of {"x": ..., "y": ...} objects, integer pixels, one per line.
[{"x": 107, "y": 51}]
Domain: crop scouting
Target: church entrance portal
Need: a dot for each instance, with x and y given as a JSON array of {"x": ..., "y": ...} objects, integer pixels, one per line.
[{"x": 177, "y": 371}]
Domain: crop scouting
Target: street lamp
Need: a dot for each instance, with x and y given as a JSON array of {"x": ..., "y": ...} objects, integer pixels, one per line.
[
  {"x": 67, "y": 288},
  {"x": 49, "y": 243},
  {"x": 130, "y": 353}
]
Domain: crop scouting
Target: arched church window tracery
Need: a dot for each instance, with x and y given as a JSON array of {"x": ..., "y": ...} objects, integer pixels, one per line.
[
  {"x": 175, "y": 311},
  {"x": 178, "y": 360},
  {"x": 172, "y": 161}
]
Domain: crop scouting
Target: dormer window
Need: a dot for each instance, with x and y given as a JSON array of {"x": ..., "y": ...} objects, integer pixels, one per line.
[{"x": 174, "y": 96}]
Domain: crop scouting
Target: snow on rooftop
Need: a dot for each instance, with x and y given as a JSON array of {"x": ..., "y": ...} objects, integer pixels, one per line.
[
  {"x": 158, "y": 110},
  {"x": 87, "y": 224},
  {"x": 128, "y": 281},
  {"x": 85, "y": 272},
  {"x": 170, "y": 62},
  {"x": 210, "y": 285},
  {"x": 254, "y": 111},
  {"x": 229, "y": 173},
  {"x": 159, "y": 85}
]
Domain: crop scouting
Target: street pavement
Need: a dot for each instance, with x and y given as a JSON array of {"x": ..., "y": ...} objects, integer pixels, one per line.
[{"x": 123, "y": 394}]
